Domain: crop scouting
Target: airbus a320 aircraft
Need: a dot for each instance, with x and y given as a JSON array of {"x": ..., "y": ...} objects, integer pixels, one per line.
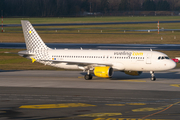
[{"x": 100, "y": 62}]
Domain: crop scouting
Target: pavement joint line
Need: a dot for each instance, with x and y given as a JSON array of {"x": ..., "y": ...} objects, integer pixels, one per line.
[
  {"x": 121, "y": 80},
  {"x": 100, "y": 118},
  {"x": 134, "y": 80},
  {"x": 126, "y": 104},
  {"x": 70, "y": 100},
  {"x": 86, "y": 97}
]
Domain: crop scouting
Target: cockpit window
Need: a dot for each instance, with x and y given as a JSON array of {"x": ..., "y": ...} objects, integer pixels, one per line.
[
  {"x": 167, "y": 57},
  {"x": 163, "y": 57}
]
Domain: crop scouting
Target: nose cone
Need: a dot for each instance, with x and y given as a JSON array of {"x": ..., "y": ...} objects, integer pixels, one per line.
[
  {"x": 166, "y": 65},
  {"x": 172, "y": 64}
]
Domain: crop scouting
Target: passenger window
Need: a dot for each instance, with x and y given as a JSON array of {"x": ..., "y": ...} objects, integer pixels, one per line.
[{"x": 159, "y": 58}]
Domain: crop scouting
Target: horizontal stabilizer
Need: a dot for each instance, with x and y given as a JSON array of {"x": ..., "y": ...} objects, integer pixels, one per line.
[{"x": 26, "y": 54}]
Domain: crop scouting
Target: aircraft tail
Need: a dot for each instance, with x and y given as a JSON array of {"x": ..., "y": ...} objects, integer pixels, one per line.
[
  {"x": 32, "y": 39},
  {"x": 36, "y": 48}
]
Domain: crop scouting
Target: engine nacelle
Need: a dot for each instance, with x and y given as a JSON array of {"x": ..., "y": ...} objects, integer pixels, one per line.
[
  {"x": 133, "y": 73},
  {"x": 103, "y": 71}
]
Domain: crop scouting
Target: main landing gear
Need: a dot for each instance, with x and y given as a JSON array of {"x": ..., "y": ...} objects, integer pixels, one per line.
[
  {"x": 153, "y": 78},
  {"x": 88, "y": 76}
]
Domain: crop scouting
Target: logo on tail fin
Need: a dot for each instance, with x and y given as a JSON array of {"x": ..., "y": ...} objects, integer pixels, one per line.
[
  {"x": 33, "y": 60},
  {"x": 32, "y": 39}
]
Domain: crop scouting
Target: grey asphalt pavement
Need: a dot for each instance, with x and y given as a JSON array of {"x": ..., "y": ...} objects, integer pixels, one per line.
[{"x": 65, "y": 95}]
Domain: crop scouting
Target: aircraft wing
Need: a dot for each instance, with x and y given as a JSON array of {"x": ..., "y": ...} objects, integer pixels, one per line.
[{"x": 80, "y": 63}]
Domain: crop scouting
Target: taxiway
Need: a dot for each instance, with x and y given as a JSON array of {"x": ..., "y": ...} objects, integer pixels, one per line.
[{"x": 54, "y": 95}]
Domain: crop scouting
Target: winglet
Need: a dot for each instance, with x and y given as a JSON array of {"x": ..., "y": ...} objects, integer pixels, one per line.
[{"x": 33, "y": 60}]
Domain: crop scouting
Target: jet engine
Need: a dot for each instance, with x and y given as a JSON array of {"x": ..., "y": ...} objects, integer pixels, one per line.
[
  {"x": 103, "y": 71},
  {"x": 133, "y": 73}
]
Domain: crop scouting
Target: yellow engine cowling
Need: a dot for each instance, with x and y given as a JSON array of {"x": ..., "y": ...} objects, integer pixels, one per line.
[
  {"x": 133, "y": 73},
  {"x": 103, "y": 71}
]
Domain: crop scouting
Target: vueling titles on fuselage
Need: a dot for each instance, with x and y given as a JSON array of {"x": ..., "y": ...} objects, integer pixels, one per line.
[{"x": 129, "y": 54}]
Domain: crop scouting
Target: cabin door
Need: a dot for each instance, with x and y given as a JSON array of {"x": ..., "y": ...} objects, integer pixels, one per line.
[{"x": 148, "y": 58}]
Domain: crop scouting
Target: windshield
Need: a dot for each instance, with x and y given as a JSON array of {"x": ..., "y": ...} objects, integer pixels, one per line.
[{"x": 163, "y": 57}]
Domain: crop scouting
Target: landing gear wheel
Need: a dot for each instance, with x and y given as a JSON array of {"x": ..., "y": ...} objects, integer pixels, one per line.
[
  {"x": 88, "y": 77},
  {"x": 153, "y": 78}
]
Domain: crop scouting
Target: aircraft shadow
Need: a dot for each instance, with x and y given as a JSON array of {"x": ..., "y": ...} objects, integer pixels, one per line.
[{"x": 122, "y": 76}]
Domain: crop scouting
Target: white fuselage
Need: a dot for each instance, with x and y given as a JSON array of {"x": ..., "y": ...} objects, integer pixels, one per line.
[
  {"x": 125, "y": 60},
  {"x": 101, "y": 62}
]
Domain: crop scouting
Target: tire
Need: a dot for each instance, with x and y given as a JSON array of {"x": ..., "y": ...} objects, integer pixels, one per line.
[
  {"x": 153, "y": 79},
  {"x": 88, "y": 77}
]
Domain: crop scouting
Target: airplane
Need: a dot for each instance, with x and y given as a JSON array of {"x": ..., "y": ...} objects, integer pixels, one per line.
[{"x": 101, "y": 63}]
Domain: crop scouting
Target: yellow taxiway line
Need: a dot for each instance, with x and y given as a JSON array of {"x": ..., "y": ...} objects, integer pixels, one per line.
[
  {"x": 175, "y": 85},
  {"x": 100, "y": 114},
  {"x": 50, "y": 106}
]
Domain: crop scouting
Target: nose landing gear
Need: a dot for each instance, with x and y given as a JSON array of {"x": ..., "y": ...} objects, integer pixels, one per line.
[{"x": 153, "y": 78}]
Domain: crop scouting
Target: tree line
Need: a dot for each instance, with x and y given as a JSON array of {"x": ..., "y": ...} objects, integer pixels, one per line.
[{"x": 52, "y": 8}]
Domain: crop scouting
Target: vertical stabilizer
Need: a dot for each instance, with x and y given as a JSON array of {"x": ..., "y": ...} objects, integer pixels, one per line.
[{"x": 32, "y": 39}]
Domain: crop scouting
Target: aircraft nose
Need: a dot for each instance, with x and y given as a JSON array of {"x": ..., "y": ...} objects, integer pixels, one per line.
[{"x": 172, "y": 65}]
